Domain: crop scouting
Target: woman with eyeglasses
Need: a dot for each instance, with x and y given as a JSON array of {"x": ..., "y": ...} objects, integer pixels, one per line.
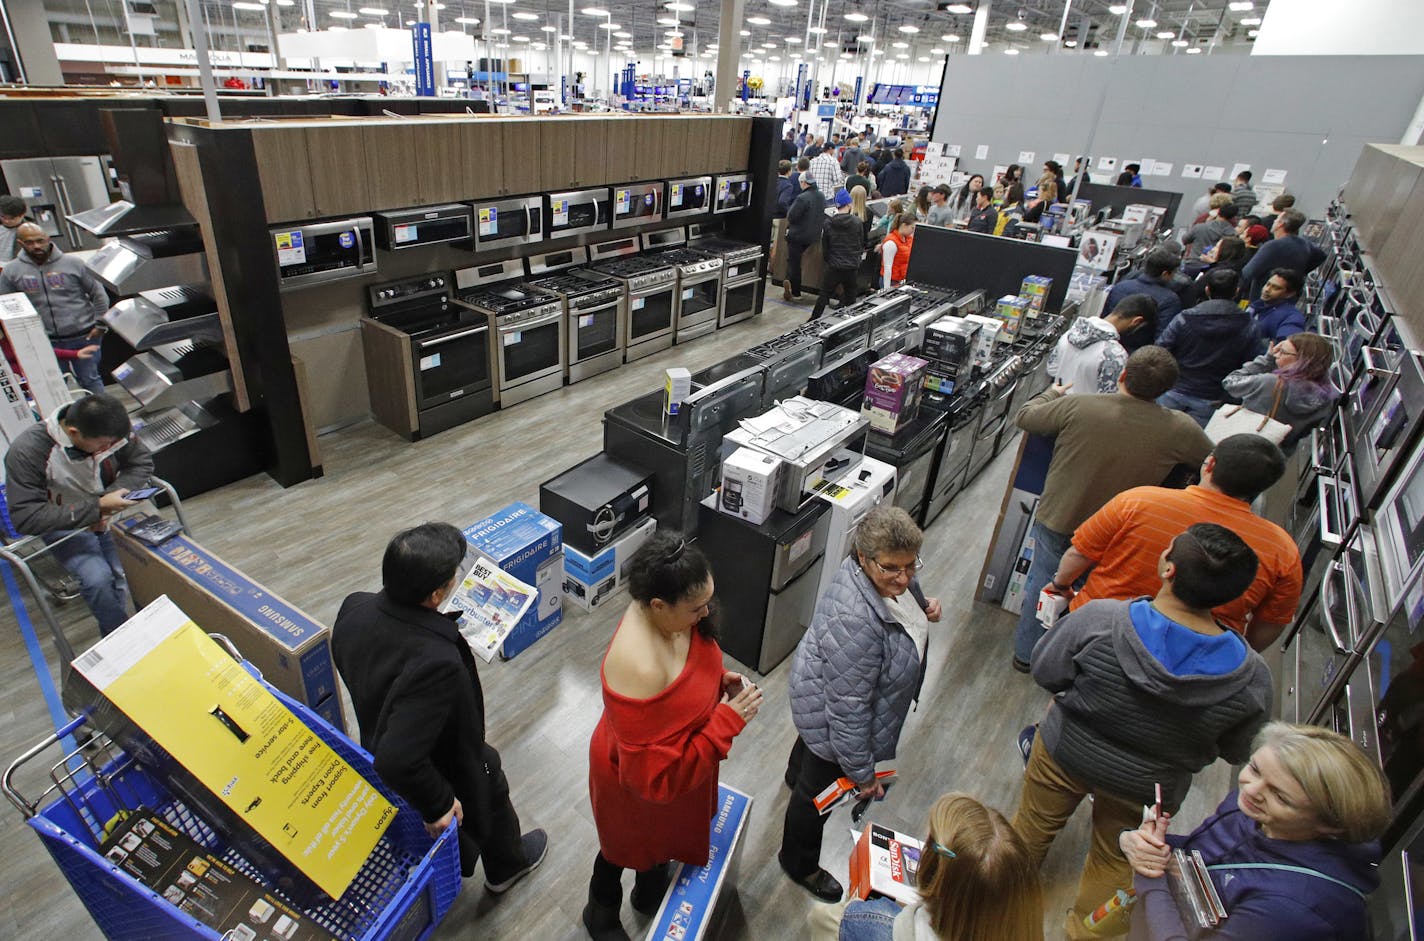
[
  {"x": 856, "y": 671},
  {"x": 1299, "y": 366},
  {"x": 975, "y": 879},
  {"x": 670, "y": 712}
]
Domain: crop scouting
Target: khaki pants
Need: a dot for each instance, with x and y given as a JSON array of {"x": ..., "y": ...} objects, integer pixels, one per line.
[{"x": 1050, "y": 795}]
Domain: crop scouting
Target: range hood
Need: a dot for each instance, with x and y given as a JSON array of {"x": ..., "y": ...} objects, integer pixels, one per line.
[
  {"x": 166, "y": 315},
  {"x": 148, "y": 260},
  {"x": 152, "y": 200},
  {"x": 125, "y": 218}
]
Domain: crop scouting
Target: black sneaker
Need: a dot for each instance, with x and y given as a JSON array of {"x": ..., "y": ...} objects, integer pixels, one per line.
[
  {"x": 1021, "y": 665},
  {"x": 1026, "y": 738},
  {"x": 536, "y": 844}
]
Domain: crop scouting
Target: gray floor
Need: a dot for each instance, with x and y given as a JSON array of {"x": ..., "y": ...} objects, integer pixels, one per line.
[{"x": 316, "y": 542}]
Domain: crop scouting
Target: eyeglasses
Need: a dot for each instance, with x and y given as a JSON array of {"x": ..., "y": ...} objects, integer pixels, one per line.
[
  {"x": 1282, "y": 352},
  {"x": 895, "y": 571}
]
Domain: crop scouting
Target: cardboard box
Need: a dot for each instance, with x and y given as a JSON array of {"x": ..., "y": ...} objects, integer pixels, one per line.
[
  {"x": 886, "y": 862},
  {"x": 1011, "y": 310},
  {"x": 528, "y": 545},
  {"x": 691, "y": 909},
  {"x": 1097, "y": 249},
  {"x": 892, "y": 391},
  {"x": 677, "y": 386},
  {"x": 749, "y": 482},
  {"x": 243, "y": 762},
  {"x": 34, "y": 353},
  {"x": 292, "y": 650},
  {"x": 949, "y": 346},
  {"x": 990, "y": 329},
  {"x": 1035, "y": 290},
  {"x": 589, "y": 581},
  {"x": 15, "y": 412}
]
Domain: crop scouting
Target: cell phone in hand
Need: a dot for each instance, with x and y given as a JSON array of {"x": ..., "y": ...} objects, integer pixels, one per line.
[{"x": 142, "y": 493}]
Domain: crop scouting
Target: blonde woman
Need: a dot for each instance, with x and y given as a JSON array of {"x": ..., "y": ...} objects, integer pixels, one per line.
[{"x": 976, "y": 883}]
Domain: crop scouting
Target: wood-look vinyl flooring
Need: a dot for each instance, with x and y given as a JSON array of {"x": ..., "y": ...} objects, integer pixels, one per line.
[{"x": 316, "y": 542}]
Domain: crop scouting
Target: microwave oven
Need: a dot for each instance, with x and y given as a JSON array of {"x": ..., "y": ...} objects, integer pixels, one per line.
[
  {"x": 409, "y": 228},
  {"x": 689, "y": 197},
  {"x": 324, "y": 251},
  {"x": 734, "y": 192},
  {"x": 507, "y": 222},
  {"x": 577, "y": 212},
  {"x": 637, "y": 203}
]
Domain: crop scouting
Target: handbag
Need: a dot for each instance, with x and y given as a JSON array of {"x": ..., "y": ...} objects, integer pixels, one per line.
[{"x": 1230, "y": 420}]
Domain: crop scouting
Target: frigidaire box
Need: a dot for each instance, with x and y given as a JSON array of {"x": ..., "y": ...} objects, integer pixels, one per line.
[
  {"x": 528, "y": 545},
  {"x": 990, "y": 329},
  {"x": 34, "y": 353},
  {"x": 292, "y": 650},
  {"x": 749, "y": 484},
  {"x": 1011, "y": 309},
  {"x": 892, "y": 391},
  {"x": 590, "y": 580}
]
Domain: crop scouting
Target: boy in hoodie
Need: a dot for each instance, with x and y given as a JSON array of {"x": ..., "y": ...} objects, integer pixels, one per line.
[
  {"x": 843, "y": 246},
  {"x": 1146, "y": 693},
  {"x": 66, "y": 477},
  {"x": 1209, "y": 341},
  {"x": 1090, "y": 356}
]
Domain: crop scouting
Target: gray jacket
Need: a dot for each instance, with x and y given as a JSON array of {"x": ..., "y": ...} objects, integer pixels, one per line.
[
  {"x": 855, "y": 674},
  {"x": 66, "y": 295},
  {"x": 1121, "y": 721}
]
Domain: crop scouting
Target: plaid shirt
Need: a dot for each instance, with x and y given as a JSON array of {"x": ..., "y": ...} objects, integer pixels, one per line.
[{"x": 827, "y": 174}]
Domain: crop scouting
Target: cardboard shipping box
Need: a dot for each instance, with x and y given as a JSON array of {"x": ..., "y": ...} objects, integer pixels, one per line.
[
  {"x": 892, "y": 391},
  {"x": 292, "y": 650},
  {"x": 886, "y": 862},
  {"x": 590, "y": 580},
  {"x": 26, "y": 333},
  {"x": 749, "y": 484},
  {"x": 529, "y": 546}
]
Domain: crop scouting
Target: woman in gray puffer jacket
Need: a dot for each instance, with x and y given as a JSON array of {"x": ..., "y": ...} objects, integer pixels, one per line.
[
  {"x": 856, "y": 671},
  {"x": 1301, "y": 365}
]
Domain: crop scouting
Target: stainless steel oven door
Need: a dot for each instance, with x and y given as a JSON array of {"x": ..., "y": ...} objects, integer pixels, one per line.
[
  {"x": 509, "y": 222},
  {"x": 451, "y": 365},
  {"x": 699, "y": 305},
  {"x": 595, "y": 339},
  {"x": 1381, "y": 443},
  {"x": 739, "y": 300},
  {"x": 529, "y": 351},
  {"x": 650, "y": 314},
  {"x": 736, "y": 270}
]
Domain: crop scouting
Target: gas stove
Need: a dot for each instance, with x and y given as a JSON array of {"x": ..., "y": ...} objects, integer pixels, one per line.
[
  {"x": 639, "y": 271},
  {"x": 688, "y": 261},
  {"x": 731, "y": 250},
  {"x": 500, "y": 290},
  {"x": 927, "y": 297},
  {"x": 581, "y": 287},
  {"x": 776, "y": 349}
]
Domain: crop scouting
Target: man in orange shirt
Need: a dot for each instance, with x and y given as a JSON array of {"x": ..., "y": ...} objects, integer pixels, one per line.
[{"x": 1123, "y": 540}]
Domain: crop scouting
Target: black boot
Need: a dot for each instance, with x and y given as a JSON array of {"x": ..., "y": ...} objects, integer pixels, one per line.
[
  {"x": 649, "y": 888},
  {"x": 602, "y": 922}
]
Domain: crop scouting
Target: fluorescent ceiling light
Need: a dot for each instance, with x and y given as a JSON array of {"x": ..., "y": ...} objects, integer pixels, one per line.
[
  {"x": 795, "y": 55},
  {"x": 501, "y": 45},
  {"x": 847, "y": 55},
  {"x": 593, "y": 11},
  {"x": 744, "y": 32},
  {"x": 374, "y": 26},
  {"x": 959, "y": 9},
  {"x": 1240, "y": 6},
  {"x": 1254, "y": 33},
  {"x": 343, "y": 14},
  {"x": 410, "y": 22},
  {"x": 499, "y": 31},
  {"x": 286, "y": 3},
  {"x": 774, "y": 58},
  {"x": 900, "y": 45},
  {"x": 523, "y": 15},
  {"x": 1100, "y": 53},
  {"x": 671, "y": 32},
  {"x": 857, "y": 17},
  {"x": 937, "y": 51},
  {"x": 520, "y": 38},
  {"x": 623, "y": 34},
  {"x": 256, "y": 7},
  {"x": 1146, "y": 22},
  {"x": 1048, "y": 37},
  {"x": 1118, "y": 9},
  {"x": 374, "y": 11},
  {"x": 1194, "y": 51},
  {"x": 336, "y": 29},
  {"x": 950, "y": 37},
  {"x": 542, "y": 29},
  {"x": 755, "y": 21},
  {"x": 923, "y": 59},
  {"x": 679, "y": 7},
  {"x": 1011, "y": 52},
  {"x": 902, "y": 55},
  {"x": 1070, "y": 43},
  {"x": 566, "y": 37},
  {"x": 782, "y": 3},
  {"x": 1166, "y": 34},
  {"x": 793, "y": 39},
  {"x": 816, "y": 30},
  {"x": 467, "y": 20},
  {"x": 907, "y": 28},
  {"x": 1180, "y": 43},
  {"x": 768, "y": 45},
  {"x": 611, "y": 27},
  {"x": 1015, "y": 26},
  {"x": 866, "y": 39},
  {"x": 1251, "y": 21},
  {"x": 877, "y": 52},
  {"x": 831, "y": 44},
  {"x": 667, "y": 21}
]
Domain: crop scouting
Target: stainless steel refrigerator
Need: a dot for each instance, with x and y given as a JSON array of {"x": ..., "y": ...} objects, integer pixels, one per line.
[{"x": 58, "y": 187}]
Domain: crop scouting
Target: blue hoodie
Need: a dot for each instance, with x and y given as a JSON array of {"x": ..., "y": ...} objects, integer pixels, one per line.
[
  {"x": 1276, "y": 320},
  {"x": 1265, "y": 904}
]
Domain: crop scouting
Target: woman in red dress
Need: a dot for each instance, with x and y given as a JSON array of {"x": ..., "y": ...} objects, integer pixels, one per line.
[{"x": 670, "y": 712}]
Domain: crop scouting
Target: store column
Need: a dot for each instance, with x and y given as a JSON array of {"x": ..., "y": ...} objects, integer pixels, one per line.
[
  {"x": 729, "y": 50},
  {"x": 980, "y": 28},
  {"x": 34, "y": 44}
]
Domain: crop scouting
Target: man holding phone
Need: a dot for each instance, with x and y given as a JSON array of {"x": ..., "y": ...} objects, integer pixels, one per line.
[{"x": 65, "y": 478}]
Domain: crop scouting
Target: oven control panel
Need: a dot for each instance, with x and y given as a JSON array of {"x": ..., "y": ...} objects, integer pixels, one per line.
[{"x": 435, "y": 284}]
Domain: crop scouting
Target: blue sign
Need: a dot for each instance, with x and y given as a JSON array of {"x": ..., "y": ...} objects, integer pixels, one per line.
[
  {"x": 825, "y": 111},
  {"x": 800, "y": 83},
  {"x": 746, "y": 89},
  {"x": 855, "y": 96},
  {"x": 424, "y": 60},
  {"x": 688, "y": 906}
]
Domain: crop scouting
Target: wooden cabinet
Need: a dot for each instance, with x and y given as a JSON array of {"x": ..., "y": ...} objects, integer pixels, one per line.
[
  {"x": 392, "y": 166},
  {"x": 339, "y": 178},
  {"x": 591, "y": 165},
  {"x": 674, "y": 140},
  {"x": 440, "y": 163},
  {"x": 482, "y": 143},
  {"x": 702, "y": 146},
  {"x": 284, "y": 173},
  {"x": 522, "y": 158}
]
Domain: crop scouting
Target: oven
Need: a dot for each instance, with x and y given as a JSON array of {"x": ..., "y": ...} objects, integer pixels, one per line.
[
  {"x": 595, "y": 332},
  {"x": 843, "y": 336},
  {"x": 740, "y": 300},
  {"x": 577, "y": 212},
  {"x": 529, "y": 353},
  {"x": 734, "y": 192},
  {"x": 841, "y": 380},
  {"x": 450, "y": 363},
  {"x": 412, "y": 228},
  {"x": 1381, "y": 440},
  {"x": 324, "y": 251},
  {"x": 649, "y": 319},
  {"x": 699, "y": 304},
  {"x": 508, "y": 222},
  {"x": 790, "y": 374},
  {"x": 691, "y": 196},
  {"x": 637, "y": 204},
  {"x": 995, "y": 417},
  {"x": 949, "y": 473}
]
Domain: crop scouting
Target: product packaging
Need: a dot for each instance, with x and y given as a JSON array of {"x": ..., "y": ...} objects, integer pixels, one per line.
[
  {"x": 1051, "y": 606},
  {"x": 892, "y": 391},
  {"x": 949, "y": 347},
  {"x": 1035, "y": 290},
  {"x": 35, "y": 354},
  {"x": 990, "y": 329},
  {"x": 1011, "y": 309},
  {"x": 590, "y": 580},
  {"x": 15, "y": 412},
  {"x": 529, "y": 546},
  {"x": 749, "y": 483},
  {"x": 885, "y": 862},
  {"x": 677, "y": 386}
]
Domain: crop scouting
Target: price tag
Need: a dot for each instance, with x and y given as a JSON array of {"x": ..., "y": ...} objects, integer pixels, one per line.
[
  {"x": 290, "y": 250},
  {"x": 585, "y": 320},
  {"x": 801, "y": 546},
  {"x": 429, "y": 362},
  {"x": 404, "y": 233},
  {"x": 489, "y": 221},
  {"x": 675, "y": 199},
  {"x": 560, "y": 209},
  {"x": 687, "y": 294},
  {"x": 638, "y": 304},
  {"x": 512, "y": 338}
]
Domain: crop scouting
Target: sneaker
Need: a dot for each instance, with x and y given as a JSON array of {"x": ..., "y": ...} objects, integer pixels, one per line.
[
  {"x": 1026, "y": 742},
  {"x": 536, "y": 844},
  {"x": 1021, "y": 666}
]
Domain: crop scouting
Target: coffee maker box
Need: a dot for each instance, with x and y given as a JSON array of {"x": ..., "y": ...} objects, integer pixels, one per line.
[
  {"x": 590, "y": 580},
  {"x": 1011, "y": 310},
  {"x": 892, "y": 391},
  {"x": 34, "y": 353},
  {"x": 990, "y": 329},
  {"x": 1035, "y": 290},
  {"x": 528, "y": 545},
  {"x": 949, "y": 346},
  {"x": 749, "y": 484}
]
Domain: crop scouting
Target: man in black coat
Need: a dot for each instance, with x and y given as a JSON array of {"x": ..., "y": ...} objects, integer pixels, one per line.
[
  {"x": 894, "y": 179},
  {"x": 418, "y": 700},
  {"x": 803, "y": 229}
]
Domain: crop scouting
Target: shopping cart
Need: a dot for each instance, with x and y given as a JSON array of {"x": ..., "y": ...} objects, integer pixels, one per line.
[{"x": 402, "y": 893}]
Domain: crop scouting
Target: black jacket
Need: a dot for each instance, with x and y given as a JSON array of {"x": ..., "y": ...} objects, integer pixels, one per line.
[
  {"x": 894, "y": 179},
  {"x": 788, "y": 150},
  {"x": 843, "y": 240},
  {"x": 1210, "y": 341},
  {"x": 785, "y": 195},
  {"x": 984, "y": 220},
  {"x": 418, "y": 700},
  {"x": 807, "y": 216}
]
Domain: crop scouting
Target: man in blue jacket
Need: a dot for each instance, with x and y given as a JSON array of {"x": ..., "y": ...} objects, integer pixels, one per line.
[
  {"x": 1154, "y": 279},
  {"x": 894, "y": 180},
  {"x": 1286, "y": 249},
  {"x": 1210, "y": 341},
  {"x": 786, "y": 189},
  {"x": 1275, "y": 315}
]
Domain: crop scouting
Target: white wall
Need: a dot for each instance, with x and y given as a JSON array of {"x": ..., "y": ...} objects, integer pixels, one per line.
[{"x": 1333, "y": 28}]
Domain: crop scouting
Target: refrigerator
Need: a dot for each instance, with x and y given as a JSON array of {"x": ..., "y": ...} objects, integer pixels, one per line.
[{"x": 56, "y": 188}]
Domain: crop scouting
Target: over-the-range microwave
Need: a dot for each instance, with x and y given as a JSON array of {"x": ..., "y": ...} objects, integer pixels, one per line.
[
  {"x": 431, "y": 225},
  {"x": 734, "y": 192},
  {"x": 691, "y": 196},
  {"x": 324, "y": 251},
  {"x": 576, "y": 212},
  {"x": 637, "y": 203}
]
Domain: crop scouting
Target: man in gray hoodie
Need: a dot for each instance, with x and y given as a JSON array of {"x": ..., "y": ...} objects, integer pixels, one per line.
[
  {"x": 1146, "y": 693},
  {"x": 69, "y": 299}
]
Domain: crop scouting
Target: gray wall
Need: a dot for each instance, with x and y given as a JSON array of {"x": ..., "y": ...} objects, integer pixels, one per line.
[{"x": 1308, "y": 115}]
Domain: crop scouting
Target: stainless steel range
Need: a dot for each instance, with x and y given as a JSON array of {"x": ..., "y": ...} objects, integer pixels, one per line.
[
  {"x": 593, "y": 307},
  {"x": 528, "y": 324},
  {"x": 742, "y": 284},
  {"x": 651, "y": 286},
  {"x": 699, "y": 283}
]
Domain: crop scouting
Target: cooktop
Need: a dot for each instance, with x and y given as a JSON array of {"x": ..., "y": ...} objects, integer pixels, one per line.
[{"x": 506, "y": 297}]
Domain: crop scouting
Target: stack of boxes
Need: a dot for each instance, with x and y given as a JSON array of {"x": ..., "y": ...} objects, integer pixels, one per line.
[
  {"x": 1011, "y": 311},
  {"x": 529, "y": 546},
  {"x": 949, "y": 348}
]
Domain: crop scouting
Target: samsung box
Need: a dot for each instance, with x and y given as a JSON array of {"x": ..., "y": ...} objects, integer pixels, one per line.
[
  {"x": 596, "y": 501},
  {"x": 292, "y": 650},
  {"x": 949, "y": 346},
  {"x": 15, "y": 412},
  {"x": 892, "y": 391},
  {"x": 590, "y": 580},
  {"x": 528, "y": 545},
  {"x": 34, "y": 353},
  {"x": 749, "y": 482},
  {"x": 1011, "y": 310}
]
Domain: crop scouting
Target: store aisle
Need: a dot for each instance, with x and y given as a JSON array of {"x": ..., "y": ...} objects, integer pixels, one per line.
[{"x": 316, "y": 542}]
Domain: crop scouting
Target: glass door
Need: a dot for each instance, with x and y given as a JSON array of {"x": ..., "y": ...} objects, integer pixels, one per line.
[
  {"x": 595, "y": 332},
  {"x": 650, "y": 315},
  {"x": 529, "y": 350},
  {"x": 448, "y": 366}
]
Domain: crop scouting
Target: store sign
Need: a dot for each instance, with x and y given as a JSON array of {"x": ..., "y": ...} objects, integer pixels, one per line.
[
  {"x": 424, "y": 58},
  {"x": 855, "y": 96}
]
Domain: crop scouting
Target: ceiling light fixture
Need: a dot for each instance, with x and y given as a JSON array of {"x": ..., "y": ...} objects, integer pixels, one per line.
[
  {"x": 1071, "y": 43},
  {"x": 343, "y": 15},
  {"x": 1166, "y": 34},
  {"x": 520, "y": 38},
  {"x": 923, "y": 59},
  {"x": 793, "y": 39},
  {"x": 909, "y": 29},
  {"x": 1118, "y": 9},
  {"x": 744, "y": 32},
  {"x": 1011, "y": 52},
  {"x": 857, "y": 17},
  {"x": 1240, "y": 6},
  {"x": 1194, "y": 51},
  {"x": 610, "y": 26},
  {"x": 782, "y": 3},
  {"x": 754, "y": 20},
  {"x": 542, "y": 29},
  {"x": 1100, "y": 53},
  {"x": 593, "y": 11},
  {"x": 623, "y": 34},
  {"x": 1146, "y": 22},
  {"x": 900, "y": 45},
  {"x": 951, "y": 37},
  {"x": 865, "y": 38},
  {"x": 1015, "y": 26},
  {"x": 959, "y": 9},
  {"x": 831, "y": 44},
  {"x": 374, "y": 11},
  {"x": 937, "y": 51},
  {"x": 522, "y": 15},
  {"x": 255, "y": 7},
  {"x": 679, "y": 7},
  {"x": 902, "y": 55},
  {"x": 1180, "y": 43},
  {"x": 1048, "y": 37},
  {"x": 816, "y": 30},
  {"x": 1253, "y": 33},
  {"x": 467, "y": 21},
  {"x": 1251, "y": 21},
  {"x": 499, "y": 31}
]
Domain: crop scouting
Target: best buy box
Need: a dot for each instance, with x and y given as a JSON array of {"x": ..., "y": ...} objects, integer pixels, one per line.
[
  {"x": 292, "y": 650},
  {"x": 26, "y": 333},
  {"x": 529, "y": 546}
]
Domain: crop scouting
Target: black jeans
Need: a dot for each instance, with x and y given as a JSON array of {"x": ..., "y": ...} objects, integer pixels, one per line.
[
  {"x": 847, "y": 278},
  {"x": 800, "y": 852},
  {"x": 606, "y": 886},
  {"x": 794, "y": 251}
]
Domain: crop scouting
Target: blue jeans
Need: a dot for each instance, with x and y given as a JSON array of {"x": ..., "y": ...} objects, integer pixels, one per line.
[
  {"x": 1048, "y": 549},
  {"x": 94, "y": 560},
  {"x": 1199, "y": 409},
  {"x": 86, "y": 371},
  {"x": 870, "y": 920}
]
